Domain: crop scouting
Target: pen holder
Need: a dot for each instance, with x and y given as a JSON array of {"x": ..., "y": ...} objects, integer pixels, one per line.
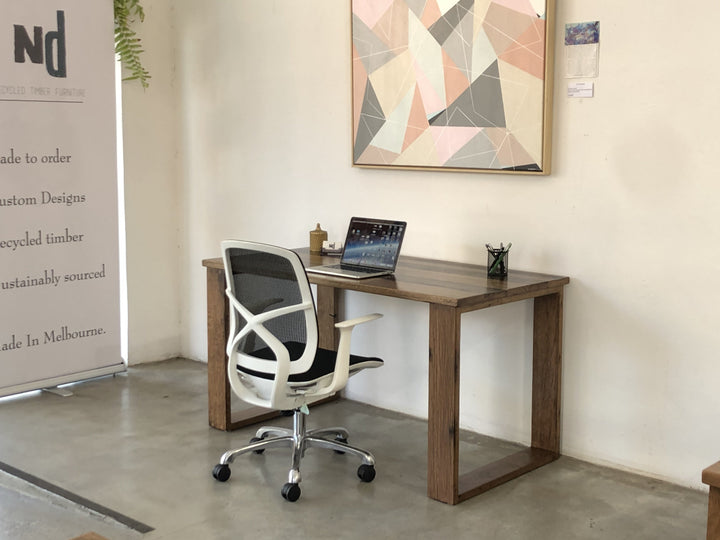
[{"x": 497, "y": 262}]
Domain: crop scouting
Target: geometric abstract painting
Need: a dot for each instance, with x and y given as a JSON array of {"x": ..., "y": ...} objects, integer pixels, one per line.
[{"x": 452, "y": 84}]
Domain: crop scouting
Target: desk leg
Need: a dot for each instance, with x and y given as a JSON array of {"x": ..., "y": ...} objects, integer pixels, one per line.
[
  {"x": 444, "y": 404},
  {"x": 328, "y": 300},
  {"x": 444, "y": 483},
  {"x": 547, "y": 370},
  {"x": 711, "y": 477},
  {"x": 713, "y": 522},
  {"x": 217, "y": 321}
]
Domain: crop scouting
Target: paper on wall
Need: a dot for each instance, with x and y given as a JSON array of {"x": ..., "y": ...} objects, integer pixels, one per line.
[{"x": 582, "y": 47}]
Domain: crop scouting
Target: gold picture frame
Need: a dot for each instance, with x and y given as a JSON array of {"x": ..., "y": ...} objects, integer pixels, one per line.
[{"x": 453, "y": 86}]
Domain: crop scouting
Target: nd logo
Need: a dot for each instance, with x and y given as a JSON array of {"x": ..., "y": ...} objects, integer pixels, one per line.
[{"x": 52, "y": 51}]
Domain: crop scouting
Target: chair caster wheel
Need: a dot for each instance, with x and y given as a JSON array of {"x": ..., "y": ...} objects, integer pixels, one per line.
[
  {"x": 290, "y": 492},
  {"x": 221, "y": 472},
  {"x": 342, "y": 440},
  {"x": 366, "y": 473},
  {"x": 254, "y": 440}
]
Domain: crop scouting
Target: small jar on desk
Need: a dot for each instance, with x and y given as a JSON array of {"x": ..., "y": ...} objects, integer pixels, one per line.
[{"x": 317, "y": 237}]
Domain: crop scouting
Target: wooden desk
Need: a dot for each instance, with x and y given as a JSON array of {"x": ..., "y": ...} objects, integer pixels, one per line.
[
  {"x": 450, "y": 289},
  {"x": 711, "y": 477}
]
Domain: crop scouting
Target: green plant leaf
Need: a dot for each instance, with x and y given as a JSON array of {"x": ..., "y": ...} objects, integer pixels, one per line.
[{"x": 127, "y": 45}]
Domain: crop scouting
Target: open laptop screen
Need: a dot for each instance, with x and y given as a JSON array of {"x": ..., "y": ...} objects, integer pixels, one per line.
[{"x": 372, "y": 242}]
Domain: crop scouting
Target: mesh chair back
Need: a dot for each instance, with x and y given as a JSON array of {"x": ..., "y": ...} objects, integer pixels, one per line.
[
  {"x": 265, "y": 279},
  {"x": 263, "y": 282}
]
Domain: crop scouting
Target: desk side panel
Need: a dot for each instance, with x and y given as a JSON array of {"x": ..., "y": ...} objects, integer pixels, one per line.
[
  {"x": 547, "y": 371},
  {"x": 444, "y": 404},
  {"x": 713, "y": 522},
  {"x": 328, "y": 304},
  {"x": 217, "y": 323}
]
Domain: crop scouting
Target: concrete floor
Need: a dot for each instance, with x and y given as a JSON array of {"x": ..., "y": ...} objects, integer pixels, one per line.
[{"x": 139, "y": 445}]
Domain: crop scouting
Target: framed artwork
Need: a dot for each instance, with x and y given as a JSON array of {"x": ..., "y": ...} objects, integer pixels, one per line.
[{"x": 462, "y": 85}]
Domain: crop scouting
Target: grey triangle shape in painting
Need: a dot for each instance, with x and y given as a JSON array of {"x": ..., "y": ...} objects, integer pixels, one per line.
[
  {"x": 417, "y": 7},
  {"x": 481, "y": 105},
  {"x": 458, "y": 45},
  {"x": 372, "y": 51},
  {"x": 478, "y": 153},
  {"x": 444, "y": 26},
  {"x": 371, "y": 120}
]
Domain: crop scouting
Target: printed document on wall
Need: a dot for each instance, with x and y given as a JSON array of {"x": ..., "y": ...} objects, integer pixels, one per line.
[{"x": 582, "y": 48}]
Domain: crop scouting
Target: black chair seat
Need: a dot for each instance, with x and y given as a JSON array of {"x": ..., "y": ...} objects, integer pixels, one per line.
[{"x": 323, "y": 365}]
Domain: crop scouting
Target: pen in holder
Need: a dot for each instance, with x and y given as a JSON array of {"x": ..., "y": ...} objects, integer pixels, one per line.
[{"x": 497, "y": 265}]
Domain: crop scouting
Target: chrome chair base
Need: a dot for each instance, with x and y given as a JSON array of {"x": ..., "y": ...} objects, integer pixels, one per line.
[{"x": 299, "y": 439}]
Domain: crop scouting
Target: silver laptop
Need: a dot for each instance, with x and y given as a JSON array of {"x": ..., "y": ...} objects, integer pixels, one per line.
[{"x": 372, "y": 248}]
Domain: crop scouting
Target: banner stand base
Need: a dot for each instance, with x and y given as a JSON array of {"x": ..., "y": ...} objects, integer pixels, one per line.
[
  {"x": 52, "y": 383},
  {"x": 62, "y": 392}
]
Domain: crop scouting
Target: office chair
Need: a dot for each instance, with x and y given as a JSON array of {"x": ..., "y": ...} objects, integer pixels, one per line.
[{"x": 273, "y": 356}]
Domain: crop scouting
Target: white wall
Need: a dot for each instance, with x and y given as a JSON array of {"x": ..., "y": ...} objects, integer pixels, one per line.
[
  {"x": 152, "y": 210},
  {"x": 263, "y": 115}
]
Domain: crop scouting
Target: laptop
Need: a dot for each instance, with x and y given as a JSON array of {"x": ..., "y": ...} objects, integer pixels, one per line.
[{"x": 371, "y": 249}]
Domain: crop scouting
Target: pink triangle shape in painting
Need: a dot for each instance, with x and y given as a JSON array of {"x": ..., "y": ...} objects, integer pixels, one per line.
[
  {"x": 432, "y": 102},
  {"x": 503, "y": 26},
  {"x": 392, "y": 26},
  {"x": 455, "y": 80},
  {"x": 523, "y": 6},
  {"x": 370, "y": 11},
  {"x": 374, "y": 155},
  {"x": 359, "y": 84},
  {"x": 417, "y": 121},
  {"x": 448, "y": 140},
  {"x": 528, "y": 53},
  {"x": 431, "y": 14},
  {"x": 510, "y": 152}
]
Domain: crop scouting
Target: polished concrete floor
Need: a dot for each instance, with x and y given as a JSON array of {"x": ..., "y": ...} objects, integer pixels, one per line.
[{"x": 137, "y": 446}]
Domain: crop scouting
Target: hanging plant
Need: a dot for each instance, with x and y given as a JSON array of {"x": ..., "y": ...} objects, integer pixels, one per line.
[{"x": 127, "y": 44}]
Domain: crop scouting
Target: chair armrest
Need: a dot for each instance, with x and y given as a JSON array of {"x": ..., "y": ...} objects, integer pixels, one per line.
[
  {"x": 358, "y": 320},
  {"x": 342, "y": 360}
]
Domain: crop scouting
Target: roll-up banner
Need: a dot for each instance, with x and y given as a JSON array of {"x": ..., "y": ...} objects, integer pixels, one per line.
[{"x": 59, "y": 263}]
